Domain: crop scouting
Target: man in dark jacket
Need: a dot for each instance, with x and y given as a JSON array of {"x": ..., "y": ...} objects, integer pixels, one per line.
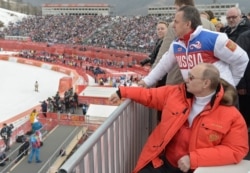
[
  {"x": 44, "y": 108},
  {"x": 23, "y": 150},
  {"x": 6, "y": 134},
  {"x": 161, "y": 30},
  {"x": 236, "y": 23},
  {"x": 244, "y": 84},
  {"x": 3, "y": 158}
]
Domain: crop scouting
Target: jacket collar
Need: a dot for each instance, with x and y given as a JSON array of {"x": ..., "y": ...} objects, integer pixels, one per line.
[
  {"x": 216, "y": 98},
  {"x": 191, "y": 35},
  {"x": 186, "y": 37}
]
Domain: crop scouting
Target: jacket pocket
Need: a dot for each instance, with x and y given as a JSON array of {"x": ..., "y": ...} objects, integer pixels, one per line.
[{"x": 213, "y": 132}]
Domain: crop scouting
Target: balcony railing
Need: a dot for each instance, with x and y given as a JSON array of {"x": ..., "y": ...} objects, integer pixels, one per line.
[{"x": 115, "y": 146}]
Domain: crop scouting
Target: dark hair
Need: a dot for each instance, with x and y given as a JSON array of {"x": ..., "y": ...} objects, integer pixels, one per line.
[
  {"x": 210, "y": 13},
  {"x": 205, "y": 13},
  {"x": 184, "y": 2},
  {"x": 191, "y": 13}
]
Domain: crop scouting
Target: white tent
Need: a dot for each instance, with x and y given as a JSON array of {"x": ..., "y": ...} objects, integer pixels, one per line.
[
  {"x": 99, "y": 112},
  {"x": 98, "y": 91}
]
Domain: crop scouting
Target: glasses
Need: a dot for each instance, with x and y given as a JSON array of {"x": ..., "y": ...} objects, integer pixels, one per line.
[
  {"x": 192, "y": 77},
  {"x": 231, "y": 17}
]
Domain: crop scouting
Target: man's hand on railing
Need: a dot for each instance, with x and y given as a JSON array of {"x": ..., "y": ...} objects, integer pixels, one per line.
[
  {"x": 114, "y": 98},
  {"x": 142, "y": 84}
]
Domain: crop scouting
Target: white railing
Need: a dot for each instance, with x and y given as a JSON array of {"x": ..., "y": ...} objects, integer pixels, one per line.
[{"x": 115, "y": 146}]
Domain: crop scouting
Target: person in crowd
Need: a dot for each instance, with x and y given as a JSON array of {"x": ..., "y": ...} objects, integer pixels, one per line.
[
  {"x": 204, "y": 15},
  {"x": 36, "y": 86},
  {"x": 35, "y": 148},
  {"x": 174, "y": 75},
  {"x": 72, "y": 105},
  {"x": 84, "y": 108},
  {"x": 37, "y": 125},
  {"x": 33, "y": 116},
  {"x": 44, "y": 107},
  {"x": 75, "y": 96},
  {"x": 244, "y": 85},
  {"x": 161, "y": 30},
  {"x": 5, "y": 133},
  {"x": 195, "y": 45},
  {"x": 57, "y": 96},
  {"x": 219, "y": 26},
  {"x": 101, "y": 82},
  {"x": 200, "y": 125},
  {"x": 3, "y": 158},
  {"x": 62, "y": 152},
  {"x": 248, "y": 16},
  {"x": 23, "y": 149},
  {"x": 40, "y": 135},
  {"x": 236, "y": 23},
  {"x": 212, "y": 18}
]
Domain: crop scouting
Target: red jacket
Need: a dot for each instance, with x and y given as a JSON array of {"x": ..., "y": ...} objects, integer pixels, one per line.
[{"x": 219, "y": 134}]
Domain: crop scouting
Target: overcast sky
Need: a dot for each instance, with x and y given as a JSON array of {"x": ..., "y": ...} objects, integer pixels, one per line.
[{"x": 137, "y": 7}]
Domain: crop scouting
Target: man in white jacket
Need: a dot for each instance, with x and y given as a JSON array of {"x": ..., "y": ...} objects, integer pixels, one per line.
[{"x": 196, "y": 45}]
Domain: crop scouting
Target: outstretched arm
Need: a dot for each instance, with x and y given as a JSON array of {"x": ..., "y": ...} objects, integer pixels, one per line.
[{"x": 162, "y": 68}]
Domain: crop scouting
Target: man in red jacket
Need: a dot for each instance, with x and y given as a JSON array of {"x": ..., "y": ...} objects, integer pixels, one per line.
[{"x": 200, "y": 125}]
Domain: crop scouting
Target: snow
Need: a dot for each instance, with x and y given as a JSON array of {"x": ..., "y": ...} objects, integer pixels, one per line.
[
  {"x": 17, "y": 82},
  {"x": 7, "y": 16},
  {"x": 17, "y": 87}
]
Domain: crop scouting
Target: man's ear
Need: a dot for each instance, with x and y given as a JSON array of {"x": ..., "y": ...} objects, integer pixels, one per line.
[
  {"x": 189, "y": 23},
  {"x": 207, "y": 83}
]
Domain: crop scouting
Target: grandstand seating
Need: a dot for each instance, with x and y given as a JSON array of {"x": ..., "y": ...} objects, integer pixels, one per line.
[{"x": 135, "y": 34}]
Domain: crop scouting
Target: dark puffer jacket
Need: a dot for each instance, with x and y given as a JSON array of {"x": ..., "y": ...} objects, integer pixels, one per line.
[
  {"x": 155, "y": 51},
  {"x": 244, "y": 42},
  {"x": 243, "y": 26}
]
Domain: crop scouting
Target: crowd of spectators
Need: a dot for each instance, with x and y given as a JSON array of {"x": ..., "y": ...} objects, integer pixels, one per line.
[
  {"x": 89, "y": 64},
  {"x": 67, "y": 103},
  {"x": 92, "y": 66},
  {"x": 123, "y": 33}
]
